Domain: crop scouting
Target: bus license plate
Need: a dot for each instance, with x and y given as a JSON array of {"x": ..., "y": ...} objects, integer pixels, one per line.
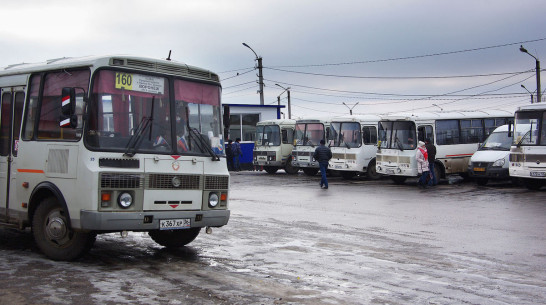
[
  {"x": 538, "y": 174},
  {"x": 390, "y": 171},
  {"x": 173, "y": 224},
  {"x": 479, "y": 169}
]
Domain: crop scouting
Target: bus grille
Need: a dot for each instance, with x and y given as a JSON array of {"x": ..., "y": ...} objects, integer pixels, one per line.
[
  {"x": 121, "y": 181},
  {"x": 216, "y": 182},
  {"x": 184, "y": 182}
]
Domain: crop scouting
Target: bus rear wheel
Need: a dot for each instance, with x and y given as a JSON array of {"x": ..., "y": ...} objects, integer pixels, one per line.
[
  {"x": 174, "y": 238},
  {"x": 53, "y": 235}
]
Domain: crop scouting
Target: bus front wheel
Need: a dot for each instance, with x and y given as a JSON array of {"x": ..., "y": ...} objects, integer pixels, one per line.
[
  {"x": 270, "y": 169},
  {"x": 54, "y": 236},
  {"x": 174, "y": 238}
]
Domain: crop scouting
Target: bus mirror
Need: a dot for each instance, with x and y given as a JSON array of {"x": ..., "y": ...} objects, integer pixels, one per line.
[
  {"x": 68, "y": 118},
  {"x": 68, "y": 101}
]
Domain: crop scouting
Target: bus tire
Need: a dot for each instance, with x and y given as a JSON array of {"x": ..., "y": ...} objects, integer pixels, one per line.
[
  {"x": 289, "y": 168},
  {"x": 371, "y": 171},
  {"x": 398, "y": 179},
  {"x": 533, "y": 184},
  {"x": 54, "y": 236},
  {"x": 174, "y": 238},
  {"x": 310, "y": 171},
  {"x": 270, "y": 169}
]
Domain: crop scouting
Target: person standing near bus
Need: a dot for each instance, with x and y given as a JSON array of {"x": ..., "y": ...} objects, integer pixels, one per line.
[
  {"x": 422, "y": 164},
  {"x": 237, "y": 153},
  {"x": 431, "y": 151},
  {"x": 323, "y": 154}
]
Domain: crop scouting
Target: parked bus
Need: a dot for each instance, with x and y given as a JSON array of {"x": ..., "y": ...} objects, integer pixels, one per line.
[
  {"x": 528, "y": 151},
  {"x": 274, "y": 144},
  {"x": 353, "y": 141},
  {"x": 307, "y": 136},
  {"x": 111, "y": 144},
  {"x": 456, "y": 135}
]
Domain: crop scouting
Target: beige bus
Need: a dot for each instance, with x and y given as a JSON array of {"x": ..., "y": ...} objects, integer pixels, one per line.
[{"x": 111, "y": 144}]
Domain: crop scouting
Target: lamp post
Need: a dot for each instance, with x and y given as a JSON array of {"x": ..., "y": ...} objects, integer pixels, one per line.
[
  {"x": 288, "y": 93},
  {"x": 522, "y": 86},
  {"x": 522, "y": 49},
  {"x": 260, "y": 75}
]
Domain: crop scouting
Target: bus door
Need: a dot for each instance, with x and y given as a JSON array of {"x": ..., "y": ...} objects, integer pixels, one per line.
[
  {"x": 11, "y": 108},
  {"x": 425, "y": 132}
]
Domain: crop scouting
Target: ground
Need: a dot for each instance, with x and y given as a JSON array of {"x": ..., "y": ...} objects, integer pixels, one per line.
[{"x": 290, "y": 242}]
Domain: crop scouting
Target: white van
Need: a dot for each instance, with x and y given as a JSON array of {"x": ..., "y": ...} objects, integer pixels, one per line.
[{"x": 490, "y": 161}]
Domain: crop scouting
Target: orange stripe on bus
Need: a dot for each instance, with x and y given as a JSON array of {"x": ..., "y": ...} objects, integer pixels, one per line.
[
  {"x": 460, "y": 155},
  {"x": 34, "y": 171}
]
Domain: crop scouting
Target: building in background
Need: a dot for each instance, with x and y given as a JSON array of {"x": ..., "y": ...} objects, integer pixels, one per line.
[{"x": 243, "y": 119}]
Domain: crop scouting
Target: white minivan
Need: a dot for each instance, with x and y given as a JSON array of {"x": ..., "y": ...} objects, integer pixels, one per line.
[{"x": 490, "y": 161}]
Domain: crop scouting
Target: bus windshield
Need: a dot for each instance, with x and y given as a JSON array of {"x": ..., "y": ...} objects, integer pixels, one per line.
[
  {"x": 345, "y": 134},
  {"x": 268, "y": 135},
  {"x": 397, "y": 134},
  {"x": 308, "y": 134},
  {"x": 138, "y": 110},
  {"x": 526, "y": 127},
  {"x": 497, "y": 141}
]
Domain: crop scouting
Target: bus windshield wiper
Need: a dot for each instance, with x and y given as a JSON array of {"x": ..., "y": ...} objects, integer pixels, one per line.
[
  {"x": 399, "y": 144},
  {"x": 201, "y": 143},
  {"x": 136, "y": 139}
]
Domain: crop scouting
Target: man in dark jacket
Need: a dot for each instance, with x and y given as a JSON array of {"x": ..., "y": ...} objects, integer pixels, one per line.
[
  {"x": 431, "y": 150},
  {"x": 323, "y": 154}
]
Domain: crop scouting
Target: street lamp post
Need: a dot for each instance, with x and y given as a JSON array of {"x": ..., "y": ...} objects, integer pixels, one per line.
[
  {"x": 260, "y": 75},
  {"x": 522, "y": 86},
  {"x": 288, "y": 93},
  {"x": 522, "y": 49}
]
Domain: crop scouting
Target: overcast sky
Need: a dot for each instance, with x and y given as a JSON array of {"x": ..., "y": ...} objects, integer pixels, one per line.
[{"x": 385, "y": 55}]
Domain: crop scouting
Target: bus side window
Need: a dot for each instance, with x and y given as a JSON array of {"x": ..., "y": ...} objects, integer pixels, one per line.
[
  {"x": 425, "y": 132},
  {"x": 287, "y": 136},
  {"x": 369, "y": 135}
]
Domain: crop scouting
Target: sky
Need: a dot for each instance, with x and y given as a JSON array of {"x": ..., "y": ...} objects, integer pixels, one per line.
[{"x": 334, "y": 56}]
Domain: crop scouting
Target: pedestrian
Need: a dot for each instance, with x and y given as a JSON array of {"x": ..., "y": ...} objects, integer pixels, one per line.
[
  {"x": 229, "y": 155},
  {"x": 323, "y": 154},
  {"x": 237, "y": 153},
  {"x": 431, "y": 151},
  {"x": 422, "y": 164}
]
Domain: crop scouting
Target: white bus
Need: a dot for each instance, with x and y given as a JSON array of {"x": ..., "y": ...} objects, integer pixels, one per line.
[
  {"x": 111, "y": 144},
  {"x": 274, "y": 144},
  {"x": 307, "y": 136},
  {"x": 353, "y": 141},
  {"x": 455, "y": 134},
  {"x": 528, "y": 151}
]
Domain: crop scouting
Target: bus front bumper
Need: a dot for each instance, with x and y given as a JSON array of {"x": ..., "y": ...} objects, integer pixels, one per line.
[{"x": 149, "y": 220}]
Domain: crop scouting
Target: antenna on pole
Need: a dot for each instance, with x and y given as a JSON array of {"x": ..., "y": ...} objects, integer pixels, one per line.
[
  {"x": 169, "y": 57},
  {"x": 351, "y": 108}
]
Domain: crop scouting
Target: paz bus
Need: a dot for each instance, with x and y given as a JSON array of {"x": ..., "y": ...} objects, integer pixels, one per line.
[
  {"x": 307, "y": 136},
  {"x": 111, "y": 144},
  {"x": 456, "y": 135},
  {"x": 353, "y": 141},
  {"x": 528, "y": 150},
  {"x": 274, "y": 144}
]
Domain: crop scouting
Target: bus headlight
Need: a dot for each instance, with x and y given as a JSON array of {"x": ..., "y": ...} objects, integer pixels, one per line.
[
  {"x": 125, "y": 200},
  {"x": 213, "y": 200}
]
